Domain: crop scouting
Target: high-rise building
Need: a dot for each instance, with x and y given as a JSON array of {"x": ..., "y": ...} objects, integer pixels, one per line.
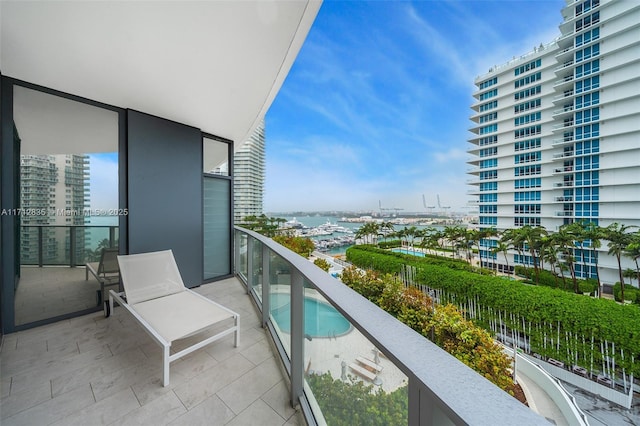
[
  {"x": 54, "y": 196},
  {"x": 557, "y": 132},
  {"x": 249, "y": 172}
]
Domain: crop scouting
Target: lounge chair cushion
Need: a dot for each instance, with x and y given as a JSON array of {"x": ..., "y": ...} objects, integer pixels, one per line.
[{"x": 180, "y": 314}]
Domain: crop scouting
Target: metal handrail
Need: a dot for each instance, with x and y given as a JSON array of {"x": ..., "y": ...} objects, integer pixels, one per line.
[{"x": 72, "y": 240}]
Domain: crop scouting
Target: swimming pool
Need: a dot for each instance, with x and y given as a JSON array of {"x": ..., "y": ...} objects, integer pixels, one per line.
[
  {"x": 320, "y": 318},
  {"x": 405, "y": 251}
]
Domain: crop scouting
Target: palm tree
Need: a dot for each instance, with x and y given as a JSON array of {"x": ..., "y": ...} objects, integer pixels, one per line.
[
  {"x": 469, "y": 237},
  {"x": 563, "y": 239},
  {"x": 430, "y": 238},
  {"x": 411, "y": 233},
  {"x": 366, "y": 231},
  {"x": 633, "y": 252},
  {"x": 483, "y": 234},
  {"x": 619, "y": 239},
  {"x": 550, "y": 254},
  {"x": 386, "y": 228},
  {"x": 533, "y": 236},
  {"x": 594, "y": 233},
  {"x": 501, "y": 247},
  {"x": 453, "y": 235}
]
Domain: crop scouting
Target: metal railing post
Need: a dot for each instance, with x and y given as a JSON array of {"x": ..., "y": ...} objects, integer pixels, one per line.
[
  {"x": 40, "y": 259},
  {"x": 297, "y": 336},
  {"x": 249, "y": 263},
  {"x": 72, "y": 246},
  {"x": 112, "y": 236},
  {"x": 266, "y": 302}
]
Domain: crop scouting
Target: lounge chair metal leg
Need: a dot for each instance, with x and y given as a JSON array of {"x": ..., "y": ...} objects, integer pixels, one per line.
[
  {"x": 165, "y": 361},
  {"x": 236, "y": 342}
]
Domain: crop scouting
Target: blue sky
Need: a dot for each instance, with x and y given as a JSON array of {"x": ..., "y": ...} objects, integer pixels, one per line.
[{"x": 376, "y": 107}]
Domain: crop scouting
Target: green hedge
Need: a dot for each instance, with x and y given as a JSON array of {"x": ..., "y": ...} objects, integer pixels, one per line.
[
  {"x": 367, "y": 256},
  {"x": 584, "y": 316},
  {"x": 549, "y": 279},
  {"x": 630, "y": 293}
]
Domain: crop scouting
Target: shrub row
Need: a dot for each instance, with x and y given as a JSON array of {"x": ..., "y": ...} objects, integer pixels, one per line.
[
  {"x": 367, "y": 256},
  {"x": 445, "y": 325},
  {"x": 549, "y": 279},
  {"x": 603, "y": 319}
]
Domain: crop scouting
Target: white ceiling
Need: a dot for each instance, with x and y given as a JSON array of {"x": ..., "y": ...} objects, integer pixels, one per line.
[{"x": 214, "y": 65}]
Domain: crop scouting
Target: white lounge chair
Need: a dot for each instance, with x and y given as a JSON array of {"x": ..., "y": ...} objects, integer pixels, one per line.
[
  {"x": 106, "y": 272},
  {"x": 156, "y": 296}
]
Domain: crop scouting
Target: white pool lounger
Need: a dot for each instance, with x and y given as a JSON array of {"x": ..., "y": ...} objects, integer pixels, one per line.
[{"x": 156, "y": 296}]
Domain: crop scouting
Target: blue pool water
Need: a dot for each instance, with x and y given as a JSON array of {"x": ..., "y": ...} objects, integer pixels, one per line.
[
  {"x": 405, "y": 251},
  {"x": 320, "y": 318}
]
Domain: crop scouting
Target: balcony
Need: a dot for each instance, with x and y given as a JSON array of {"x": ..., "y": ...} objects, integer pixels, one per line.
[
  {"x": 563, "y": 170},
  {"x": 558, "y": 113},
  {"x": 564, "y": 83},
  {"x": 564, "y": 213},
  {"x": 566, "y": 64},
  {"x": 563, "y": 126},
  {"x": 563, "y": 155},
  {"x": 94, "y": 370},
  {"x": 107, "y": 369},
  {"x": 564, "y": 199},
  {"x": 567, "y": 184},
  {"x": 565, "y": 95},
  {"x": 562, "y": 141}
]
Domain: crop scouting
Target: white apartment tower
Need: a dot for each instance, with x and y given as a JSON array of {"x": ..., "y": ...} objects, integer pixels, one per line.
[
  {"x": 249, "y": 173},
  {"x": 54, "y": 190},
  {"x": 557, "y": 131}
]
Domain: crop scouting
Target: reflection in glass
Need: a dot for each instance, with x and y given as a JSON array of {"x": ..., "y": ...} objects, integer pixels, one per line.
[
  {"x": 347, "y": 379},
  {"x": 215, "y": 157},
  {"x": 280, "y": 299},
  {"x": 68, "y": 174},
  {"x": 217, "y": 225}
]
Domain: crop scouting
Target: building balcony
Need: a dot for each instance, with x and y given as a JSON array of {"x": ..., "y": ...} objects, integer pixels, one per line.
[
  {"x": 563, "y": 155},
  {"x": 566, "y": 184},
  {"x": 565, "y": 95},
  {"x": 565, "y": 111},
  {"x": 563, "y": 199},
  {"x": 564, "y": 54},
  {"x": 563, "y": 126},
  {"x": 564, "y": 213},
  {"x": 108, "y": 368},
  {"x": 563, "y": 170},
  {"x": 565, "y": 65},
  {"x": 564, "y": 83},
  {"x": 563, "y": 141}
]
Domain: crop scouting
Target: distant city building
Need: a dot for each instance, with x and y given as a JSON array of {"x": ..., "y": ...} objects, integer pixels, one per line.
[
  {"x": 249, "y": 173},
  {"x": 54, "y": 194},
  {"x": 557, "y": 132}
]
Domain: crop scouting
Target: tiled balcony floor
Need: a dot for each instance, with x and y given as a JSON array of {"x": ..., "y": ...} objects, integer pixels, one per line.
[
  {"x": 93, "y": 370},
  {"x": 51, "y": 291}
]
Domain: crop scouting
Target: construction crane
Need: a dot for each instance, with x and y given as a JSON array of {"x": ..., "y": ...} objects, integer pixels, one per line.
[
  {"x": 441, "y": 207},
  {"x": 394, "y": 209},
  {"x": 426, "y": 207}
]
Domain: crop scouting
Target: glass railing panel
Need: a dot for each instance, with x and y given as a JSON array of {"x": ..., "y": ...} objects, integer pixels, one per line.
[
  {"x": 90, "y": 241},
  {"x": 242, "y": 257},
  {"x": 56, "y": 245},
  {"x": 348, "y": 380},
  {"x": 52, "y": 245},
  {"x": 255, "y": 281},
  {"x": 280, "y": 299}
]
